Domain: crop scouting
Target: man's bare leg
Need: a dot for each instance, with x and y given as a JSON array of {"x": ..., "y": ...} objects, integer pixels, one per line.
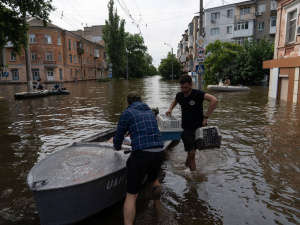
[
  {"x": 129, "y": 208},
  {"x": 191, "y": 160},
  {"x": 156, "y": 193}
]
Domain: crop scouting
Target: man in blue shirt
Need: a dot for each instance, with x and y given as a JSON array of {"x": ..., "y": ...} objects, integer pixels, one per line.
[{"x": 147, "y": 151}]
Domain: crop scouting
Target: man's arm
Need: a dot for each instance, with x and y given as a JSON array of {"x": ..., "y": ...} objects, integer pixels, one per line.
[
  {"x": 213, "y": 104},
  {"x": 173, "y": 104},
  {"x": 121, "y": 131}
]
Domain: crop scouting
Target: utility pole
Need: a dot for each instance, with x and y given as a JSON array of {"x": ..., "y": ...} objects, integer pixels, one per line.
[
  {"x": 200, "y": 77},
  {"x": 127, "y": 65},
  {"x": 27, "y": 62}
]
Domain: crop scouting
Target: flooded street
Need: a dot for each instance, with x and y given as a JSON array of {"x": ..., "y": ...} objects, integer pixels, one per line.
[{"x": 254, "y": 178}]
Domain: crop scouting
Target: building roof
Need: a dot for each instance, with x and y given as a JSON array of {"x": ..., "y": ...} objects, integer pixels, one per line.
[{"x": 34, "y": 22}]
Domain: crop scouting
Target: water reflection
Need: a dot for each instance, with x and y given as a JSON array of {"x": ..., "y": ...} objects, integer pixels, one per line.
[{"x": 252, "y": 178}]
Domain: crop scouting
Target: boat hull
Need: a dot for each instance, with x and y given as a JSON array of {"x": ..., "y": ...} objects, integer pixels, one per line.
[
  {"x": 73, "y": 204},
  {"x": 62, "y": 92},
  {"x": 34, "y": 94},
  {"x": 228, "y": 88}
]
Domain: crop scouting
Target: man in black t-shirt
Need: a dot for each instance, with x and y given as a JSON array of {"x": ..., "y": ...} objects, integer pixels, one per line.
[{"x": 191, "y": 102}]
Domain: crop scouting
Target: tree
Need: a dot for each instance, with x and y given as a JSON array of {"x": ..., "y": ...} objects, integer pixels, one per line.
[
  {"x": 165, "y": 67},
  {"x": 14, "y": 27},
  {"x": 114, "y": 38},
  {"x": 242, "y": 64},
  {"x": 247, "y": 68},
  {"x": 138, "y": 59},
  {"x": 219, "y": 56}
]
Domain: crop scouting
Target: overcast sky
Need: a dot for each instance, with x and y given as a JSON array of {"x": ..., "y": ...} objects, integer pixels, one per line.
[{"x": 159, "y": 21}]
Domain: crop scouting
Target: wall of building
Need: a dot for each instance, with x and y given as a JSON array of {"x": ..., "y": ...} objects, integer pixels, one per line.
[{"x": 66, "y": 63}]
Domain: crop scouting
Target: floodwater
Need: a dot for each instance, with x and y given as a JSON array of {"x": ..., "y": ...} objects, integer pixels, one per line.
[{"x": 252, "y": 179}]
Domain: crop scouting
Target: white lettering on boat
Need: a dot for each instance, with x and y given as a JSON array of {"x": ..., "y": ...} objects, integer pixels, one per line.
[{"x": 115, "y": 182}]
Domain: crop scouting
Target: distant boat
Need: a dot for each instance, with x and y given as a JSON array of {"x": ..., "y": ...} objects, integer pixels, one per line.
[
  {"x": 228, "y": 88},
  {"x": 33, "y": 94}
]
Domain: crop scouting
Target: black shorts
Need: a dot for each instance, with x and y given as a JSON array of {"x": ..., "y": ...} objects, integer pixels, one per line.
[
  {"x": 188, "y": 138},
  {"x": 139, "y": 164}
]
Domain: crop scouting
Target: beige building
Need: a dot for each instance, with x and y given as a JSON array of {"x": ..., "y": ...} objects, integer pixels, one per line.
[
  {"x": 55, "y": 55},
  {"x": 284, "y": 68}
]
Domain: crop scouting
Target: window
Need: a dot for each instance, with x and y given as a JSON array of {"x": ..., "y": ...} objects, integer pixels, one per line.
[
  {"x": 48, "y": 39},
  {"x": 261, "y": 7},
  {"x": 88, "y": 61},
  {"x": 33, "y": 56},
  {"x": 80, "y": 45},
  {"x": 215, "y": 16},
  {"x": 79, "y": 59},
  {"x": 32, "y": 38},
  {"x": 35, "y": 74},
  {"x": 13, "y": 56},
  {"x": 87, "y": 49},
  {"x": 229, "y": 30},
  {"x": 273, "y": 5},
  {"x": 291, "y": 26},
  {"x": 214, "y": 31},
  {"x": 71, "y": 72},
  {"x": 74, "y": 45},
  {"x": 91, "y": 61},
  {"x": 83, "y": 60},
  {"x": 75, "y": 59},
  {"x": 15, "y": 74},
  {"x": 261, "y": 25},
  {"x": 69, "y": 44},
  {"x": 245, "y": 10},
  {"x": 75, "y": 72},
  {"x": 59, "y": 57},
  {"x": 58, "y": 40},
  {"x": 230, "y": 13},
  {"x": 241, "y": 26},
  {"x": 273, "y": 21},
  {"x": 49, "y": 55},
  {"x": 70, "y": 58}
]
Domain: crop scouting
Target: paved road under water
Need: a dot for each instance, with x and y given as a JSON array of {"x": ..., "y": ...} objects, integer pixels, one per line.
[{"x": 252, "y": 179}]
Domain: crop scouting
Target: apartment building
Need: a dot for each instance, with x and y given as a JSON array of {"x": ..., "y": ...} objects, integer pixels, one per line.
[
  {"x": 285, "y": 67},
  {"x": 55, "y": 55},
  {"x": 244, "y": 21},
  {"x": 219, "y": 23},
  {"x": 233, "y": 23},
  {"x": 265, "y": 24}
]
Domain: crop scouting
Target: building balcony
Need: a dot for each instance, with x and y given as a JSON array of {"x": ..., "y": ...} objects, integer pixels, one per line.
[
  {"x": 80, "y": 51},
  {"x": 245, "y": 17}
]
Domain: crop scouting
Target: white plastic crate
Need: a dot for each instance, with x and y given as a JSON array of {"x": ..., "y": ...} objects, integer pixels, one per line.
[
  {"x": 168, "y": 123},
  {"x": 208, "y": 137}
]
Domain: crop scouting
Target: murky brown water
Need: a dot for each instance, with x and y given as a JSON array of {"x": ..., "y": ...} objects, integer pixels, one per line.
[{"x": 252, "y": 179}]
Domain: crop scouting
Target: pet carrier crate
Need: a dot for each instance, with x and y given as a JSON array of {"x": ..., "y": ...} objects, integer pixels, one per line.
[
  {"x": 208, "y": 137},
  {"x": 169, "y": 126}
]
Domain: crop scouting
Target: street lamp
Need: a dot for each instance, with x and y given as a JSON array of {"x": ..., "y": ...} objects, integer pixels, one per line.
[{"x": 172, "y": 57}]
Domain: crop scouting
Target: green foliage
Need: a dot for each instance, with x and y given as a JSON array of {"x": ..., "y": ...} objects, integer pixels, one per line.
[
  {"x": 248, "y": 65},
  {"x": 242, "y": 64},
  {"x": 114, "y": 38},
  {"x": 13, "y": 26},
  {"x": 221, "y": 55},
  {"x": 165, "y": 67},
  {"x": 139, "y": 61}
]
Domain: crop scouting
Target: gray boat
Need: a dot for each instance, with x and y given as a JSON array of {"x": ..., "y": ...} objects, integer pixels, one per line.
[{"x": 79, "y": 181}]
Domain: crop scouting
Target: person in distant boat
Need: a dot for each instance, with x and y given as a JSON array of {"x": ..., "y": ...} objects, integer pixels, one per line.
[
  {"x": 57, "y": 87},
  {"x": 147, "y": 152},
  {"x": 227, "y": 82},
  {"x": 39, "y": 84},
  {"x": 191, "y": 102}
]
